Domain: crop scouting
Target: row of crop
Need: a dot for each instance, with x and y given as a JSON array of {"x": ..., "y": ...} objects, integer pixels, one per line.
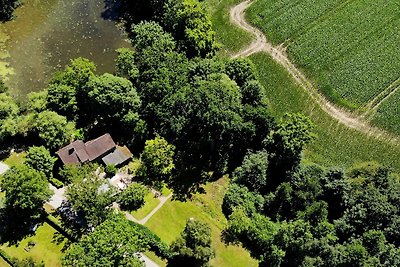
[
  {"x": 354, "y": 54},
  {"x": 388, "y": 114},
  {"x": 283, "y": 19}
]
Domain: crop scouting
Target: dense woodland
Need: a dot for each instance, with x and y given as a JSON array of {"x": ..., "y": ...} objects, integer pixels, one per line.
[{"x": 195, "y": 116}]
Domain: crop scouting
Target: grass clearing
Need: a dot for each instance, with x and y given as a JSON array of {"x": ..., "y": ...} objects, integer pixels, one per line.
[
  {"x": 170, "y": 220},
  {"x": 336, "y": 145},
  {"x": 151, "y": 255},
  {"x": 348, "y": 48},
  {"x": 15, "y": 159},
  {"x": 231, "y": 38},
  {"x": 48, "y": 246},
  {"x": 150, "y": 203}
]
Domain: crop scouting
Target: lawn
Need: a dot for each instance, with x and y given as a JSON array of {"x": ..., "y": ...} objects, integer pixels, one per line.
[
  {"x": 170, "y": 220},
  {"x": 335, "y": 144},
  {"x": 15, "y": 159},
  {"x": 150, "y": 203},
  {"x": 3, "y": 263},
  {"x": 47, "y": 247},
  {"x": 348, "y": 48}
]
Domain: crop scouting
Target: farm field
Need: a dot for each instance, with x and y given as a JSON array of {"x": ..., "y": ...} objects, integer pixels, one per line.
[
  {"x": 349, "y": 49},
  {"x": 336, "y": 144}
]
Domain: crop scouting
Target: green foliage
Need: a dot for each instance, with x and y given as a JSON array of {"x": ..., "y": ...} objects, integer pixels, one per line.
[
  {"x": 320, "y": 218},
  {"x": 110, "y": 170},
  {"x": 125, "y": 64},
  {"x": 157, "y": 161},
  {"x": 90, "y": 196},
  {"x": 190, "y": 24},
  {"x": 239, "y": 196},
  {"x": 39, "y": 158},
  {"x": 132, "y": 198},
  {"x": 114, "y": 101},
  {"x": 113, "y": 243},
  {"x": 241, "y": 70},
  {"x": 193, "y": 247},
  {"x": 37, "y": 101},
  {"x": 61, "y": 98},
  {"x": 3, "y": 87},
  {"x": 54, "y": 130},
  {"x": 76, "y": 173},
  {"x": 8, "y": 107},
  {"x": 26, "y": 191},
  {"x": 253, "y": 172},
  {"x": 287, "y": 142}
]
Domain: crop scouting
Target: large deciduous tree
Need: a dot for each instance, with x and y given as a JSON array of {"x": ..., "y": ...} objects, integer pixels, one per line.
[
  {"x": 193, "y": 247},
  {"x": 113, "y": 243},
  {"x": 91, "y": 197},
  {"x": 40, "y": 159},
  {"x": 157, "y": 161},
  {"x": 26, "y": 191}
]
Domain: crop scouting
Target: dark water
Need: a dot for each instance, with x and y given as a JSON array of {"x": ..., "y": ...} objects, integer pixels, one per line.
[{"x": 48, "y": 33}]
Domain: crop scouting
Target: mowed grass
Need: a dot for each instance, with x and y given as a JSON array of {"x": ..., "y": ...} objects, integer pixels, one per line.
[
  {"x": 151, "y": 203},
  {"x": 15, "y": 159},
  {"x": 231, "y": 38},
  {"x": 348, "y": 48},
  {"x": 48, "y": 246},
  {"x": 336, "y": 144},
  {"x": 170, "y": 221}
]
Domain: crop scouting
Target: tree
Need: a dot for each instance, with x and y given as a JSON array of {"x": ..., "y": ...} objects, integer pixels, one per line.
[
  {"x": 91, "y": 197},
  {"x": 193, "y": 247},
  {"x": 125, "y": 64},
  {"x": 239, "y": 196},
  {"x": 37, "y": 101},
  {"x": 61, "y": 98},
  {"x": 113, "y": 243},
  {"x": 132, "y": 198},
  {"x": 114, "y": 101},
  {"x": 241, "y": 70},
  {"x": 39, "y": 158},
  {"x": 157, "y": 161},
  {"x": 191, "y": 25},
  {"x": 285, "y": 144},
  {"x": 8, "y": 107},
  {"x": 54, "y": 130},
  {"x": 26, "y": 192},
  {"x": 3, "y": 87},
  {"x": 253, "y": 172}
]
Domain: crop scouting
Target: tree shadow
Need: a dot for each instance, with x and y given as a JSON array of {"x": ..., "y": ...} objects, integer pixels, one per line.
[
  {"x": 112, "y": 10},
  {"x": 13, "y": 227},
  {"x": 188, "y": 182}
]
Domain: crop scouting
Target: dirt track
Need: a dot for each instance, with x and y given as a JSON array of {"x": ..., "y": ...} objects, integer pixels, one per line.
[{"x": 261, "y": 44}]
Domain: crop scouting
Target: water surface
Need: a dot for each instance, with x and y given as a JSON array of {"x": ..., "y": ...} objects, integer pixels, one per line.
[{"x": 46, "y": 34}]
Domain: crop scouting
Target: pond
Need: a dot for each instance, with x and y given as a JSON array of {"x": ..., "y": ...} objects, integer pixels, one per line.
[{"x": 46, "y": 34}]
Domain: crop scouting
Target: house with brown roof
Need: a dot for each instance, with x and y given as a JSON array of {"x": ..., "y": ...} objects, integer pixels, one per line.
[{"x": 102, "y": 149}]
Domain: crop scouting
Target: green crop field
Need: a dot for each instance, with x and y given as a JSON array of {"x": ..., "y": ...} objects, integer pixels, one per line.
[{"x": 349, "y": 49}]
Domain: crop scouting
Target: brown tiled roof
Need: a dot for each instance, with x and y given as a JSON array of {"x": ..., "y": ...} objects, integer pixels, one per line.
[
  {"x": 69, "y": 155},
  {"x": 79, "y": 152},
  {"x": 99, "y": 146}
]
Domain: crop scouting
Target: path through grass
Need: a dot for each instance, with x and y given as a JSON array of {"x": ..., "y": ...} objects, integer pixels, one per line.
[{"x": 170, "y": 220}]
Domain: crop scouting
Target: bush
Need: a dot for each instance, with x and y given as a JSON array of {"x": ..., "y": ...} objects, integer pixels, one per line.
[
  {"x": 132, "y": 198},
  {"x": 57, "y": 183},
  {"x": 110, "y": 170}
]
